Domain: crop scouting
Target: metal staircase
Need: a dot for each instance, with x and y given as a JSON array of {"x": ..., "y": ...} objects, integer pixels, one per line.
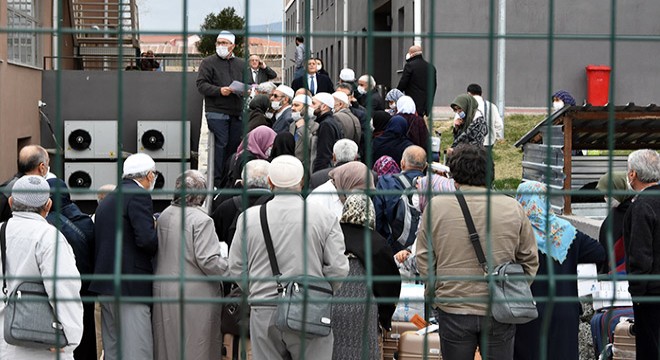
[{"x": 104, "y": 30}]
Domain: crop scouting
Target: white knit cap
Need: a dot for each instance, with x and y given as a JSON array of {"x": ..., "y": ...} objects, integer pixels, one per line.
[
  {"x": 325, "y": 98},
  {"x": 347, "y": 74},
  {"x": 341, "y": 96},
  {"x": 303, "y": 99},
  {"x": 226, "y": 35},
  {"x": 286, "y": 91},
  {"x": 138, "y": 163},
  {"x": 285, "y": 171},
  {"x": 31, "y": 190}
]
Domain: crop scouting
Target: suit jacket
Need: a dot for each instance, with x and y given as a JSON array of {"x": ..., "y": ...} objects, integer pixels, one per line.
[
  {"x": 140, "y": 241},
  {"x": 414, "y": 83},
  {"x": 281, "y": 123},
  {"x": 263, "y": 75},
  {"x": 323, "y": 83}
]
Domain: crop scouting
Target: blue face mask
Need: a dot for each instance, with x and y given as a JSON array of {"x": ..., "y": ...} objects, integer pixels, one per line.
[{"x": 461, "y": 114}]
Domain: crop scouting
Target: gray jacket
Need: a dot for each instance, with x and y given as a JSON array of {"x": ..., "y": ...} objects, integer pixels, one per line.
[{"x": 323, "y": 242}]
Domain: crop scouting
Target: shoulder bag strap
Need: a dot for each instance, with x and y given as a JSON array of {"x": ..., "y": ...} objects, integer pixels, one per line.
[
  {"x": 474, "y": 236},
  {"x": 3, "y": 248},
  {"x": 269, "y": 247}
]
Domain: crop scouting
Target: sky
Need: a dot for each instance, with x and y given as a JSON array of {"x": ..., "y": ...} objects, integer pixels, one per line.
[{"x": 163, "y": 15}]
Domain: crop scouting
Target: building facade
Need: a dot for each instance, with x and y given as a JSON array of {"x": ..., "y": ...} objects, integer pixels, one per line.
[{"x": 462, "y": 51}]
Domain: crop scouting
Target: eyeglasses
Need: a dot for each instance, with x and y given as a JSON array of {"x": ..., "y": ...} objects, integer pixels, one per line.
[
  {"x": 276, "y": 96},
  {"x": 225, "y": 43}
]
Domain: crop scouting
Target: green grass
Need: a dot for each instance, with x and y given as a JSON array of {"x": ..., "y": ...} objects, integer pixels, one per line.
[{"x": 508, "y": 158}]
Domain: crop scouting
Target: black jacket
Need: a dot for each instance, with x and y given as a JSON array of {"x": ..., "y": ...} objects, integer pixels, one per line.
[
  {"x": 139, "y": 240},
  {"x": 263, "y": 75},
  {"x": 5, "y": 193},
  {"x": 323, "y": 83},
  {"x": 329, "y": 132},
  {"x": 641, "y": 235},
  {"x": 377, "y": 102},
  {"x": 414, "y": 83},
  {"x": 214, "y": 73},
  {"x": 225, "y": 215}
]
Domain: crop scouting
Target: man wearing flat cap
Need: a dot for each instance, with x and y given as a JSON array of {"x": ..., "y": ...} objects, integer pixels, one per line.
[
  {"x": 223, "y": 106},
  {"x": 137, "y": 232},
  {"x": 323, "y": 250},
  {"x": 36, "y": 249},
  {"x": 330, "y": 130}
]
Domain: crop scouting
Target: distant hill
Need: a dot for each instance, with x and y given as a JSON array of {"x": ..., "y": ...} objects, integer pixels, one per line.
[{"x": 265, "y": 29}]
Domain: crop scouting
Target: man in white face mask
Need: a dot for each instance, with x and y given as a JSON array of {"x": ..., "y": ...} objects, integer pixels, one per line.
[
  {"x": 223, "y": 106},
  {"x": 304, "y": 128},
  {"x": 280, "y": 103}
]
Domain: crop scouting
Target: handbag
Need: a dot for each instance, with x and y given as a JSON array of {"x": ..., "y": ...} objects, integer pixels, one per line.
[
  {"x": 235, "y": 313},
  {"x": 513, "y": 302},
  {"x": 29, "y": 318},
  {"x": 306, "y": 306}
]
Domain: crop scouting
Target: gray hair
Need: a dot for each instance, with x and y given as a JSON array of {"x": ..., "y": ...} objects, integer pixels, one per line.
[
  {"x": 256, "y": 172},
  {"x": 369, "y": 79},
  {"x": 646, "y": 163},
  {"x": 194, "y": 181},
  {"x": 19, "y": 207},
  {"x": 346, "y": 86},
  {"x": 345, "y": 150},
  {"x": 415, "y": 157},
  {"x": 266, "y": 87},
  {"x": 140, "y": 175}
]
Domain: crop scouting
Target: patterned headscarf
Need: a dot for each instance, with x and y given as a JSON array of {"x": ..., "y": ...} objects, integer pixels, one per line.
[
  {"x": 619, "y": 182},
  {"x": 386, "y": 165},
  {"x": 259, "y": 140},
  {"x": 393, "y": 95},
  {"x": 469, "y": 105},
  {"x": 531, "y": 195},
  {"x": 359, "y": 210},
  {"x": 350, "y": 176},
  {"x": 439, "y": 183},
  {"x": 565, "y": 96}
]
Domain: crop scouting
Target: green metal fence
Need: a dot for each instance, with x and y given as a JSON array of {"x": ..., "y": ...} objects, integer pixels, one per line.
[{"x": 431, "y": 38}]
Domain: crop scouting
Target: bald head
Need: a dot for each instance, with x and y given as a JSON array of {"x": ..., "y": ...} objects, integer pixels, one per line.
[
  {"x": 415, "y": 50},
  {"x": 33, "y": 160},
  {"x": 413, "y": 158}
]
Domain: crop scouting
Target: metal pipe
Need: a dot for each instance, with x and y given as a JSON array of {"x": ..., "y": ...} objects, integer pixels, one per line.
[
  {"x": 56, "y": 25},
  {"x": 417, "y": 22},
  {"x": 345, "y": 40},
  {"x": 501, "y": 57}
]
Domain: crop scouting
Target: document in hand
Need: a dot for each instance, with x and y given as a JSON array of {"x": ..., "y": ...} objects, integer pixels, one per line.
[{"x": 237, "y": 87}]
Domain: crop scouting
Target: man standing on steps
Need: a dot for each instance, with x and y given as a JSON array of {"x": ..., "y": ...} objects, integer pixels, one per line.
[
  {"x": 415, "y": 80},
  {"x": 223, "y": 105}
]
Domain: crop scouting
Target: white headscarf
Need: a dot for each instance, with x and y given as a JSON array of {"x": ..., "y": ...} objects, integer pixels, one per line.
[{"x": 406, "y": 105}]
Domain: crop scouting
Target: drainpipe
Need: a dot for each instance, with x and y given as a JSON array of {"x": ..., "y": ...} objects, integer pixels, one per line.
[
  {"x": 54, "y": 64},
  {"x": 345, "y": 40},
  {"x": 417, "y": 21},
  {"x": 501, "y": 57}
]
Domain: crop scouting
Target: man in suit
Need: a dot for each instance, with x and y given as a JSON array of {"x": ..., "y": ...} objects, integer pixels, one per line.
[
  {"x": 139, "y": 245},
  {"x": 259, "y": 71},
  {"x": 280, "y": 103},
  {"x": 415, "y": 80},
  {"x": 316, "y": 83}
]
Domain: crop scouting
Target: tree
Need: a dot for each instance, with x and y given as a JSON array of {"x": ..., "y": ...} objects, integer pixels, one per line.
[{"x": 225, "y": 20}]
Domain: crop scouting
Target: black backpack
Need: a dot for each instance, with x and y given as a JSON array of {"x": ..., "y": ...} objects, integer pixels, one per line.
[{"x": 406, "y": 216}]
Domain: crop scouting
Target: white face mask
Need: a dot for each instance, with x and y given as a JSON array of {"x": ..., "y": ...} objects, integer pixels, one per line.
[
  {"x": 319, "y": 67},
  {"x": 407, "y": 56},
  {"x": 222, "y": 51},
  {"x": 310, "y": 113},
  {"x": 152, "y": 185},
  {"x": 295, "y": 115},
  {"x": 361, "y": 90},
  {"x": 557, "y": 105},
  {"x": 269, "y": 114},
  {"x": 275, "y": 105},
  {"x": 268, "y": 151},
  {"x": 393, "y": 106}
]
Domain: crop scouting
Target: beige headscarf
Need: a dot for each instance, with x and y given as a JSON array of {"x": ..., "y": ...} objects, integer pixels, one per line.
[{"x": 350, "y": 176}]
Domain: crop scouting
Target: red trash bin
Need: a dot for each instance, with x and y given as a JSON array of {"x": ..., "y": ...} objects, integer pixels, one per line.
[{"x": 598, "y": 84}]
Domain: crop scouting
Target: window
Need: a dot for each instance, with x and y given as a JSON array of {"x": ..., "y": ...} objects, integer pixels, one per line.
[{"x": 23, "y": 47}]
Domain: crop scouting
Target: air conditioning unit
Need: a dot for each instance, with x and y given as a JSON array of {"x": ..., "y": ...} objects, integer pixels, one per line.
[
  {"x": 89, "y": 176},
  {"x": 167, "y": 174},
  {"x": 86, "y": 139},
  {"x": 162, "y": 139}
]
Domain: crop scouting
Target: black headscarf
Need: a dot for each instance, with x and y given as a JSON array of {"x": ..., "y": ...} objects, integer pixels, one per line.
[
  {"x": 284, "y": 144},
  {"x": 380, "y": 120}
]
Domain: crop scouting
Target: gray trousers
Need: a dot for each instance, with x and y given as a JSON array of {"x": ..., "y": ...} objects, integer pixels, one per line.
[
  {"x": 270, "y": 343},
  {"x": 136, "y": 335}
]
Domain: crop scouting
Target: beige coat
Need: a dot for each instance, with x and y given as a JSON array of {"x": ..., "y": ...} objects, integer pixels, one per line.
[
  {"x": 511, "y": 239},
  {"x": 200, "y": 254}
]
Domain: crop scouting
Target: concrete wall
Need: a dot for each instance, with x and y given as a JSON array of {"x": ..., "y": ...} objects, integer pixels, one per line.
[
  {"x": 465, "y": 59},
  {"x": 95, "y": 95}
]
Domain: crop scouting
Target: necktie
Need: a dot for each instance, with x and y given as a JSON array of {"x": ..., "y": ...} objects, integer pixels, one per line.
[
  {"x": 254, "y": 75},
  {"x": 312, "y": 86}
]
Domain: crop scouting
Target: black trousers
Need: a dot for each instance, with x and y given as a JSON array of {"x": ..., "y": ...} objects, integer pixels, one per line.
[{"x": 647, "y": 330}]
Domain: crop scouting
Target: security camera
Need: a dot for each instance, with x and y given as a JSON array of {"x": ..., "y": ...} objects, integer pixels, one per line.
[{"x": 41, "y": 104}]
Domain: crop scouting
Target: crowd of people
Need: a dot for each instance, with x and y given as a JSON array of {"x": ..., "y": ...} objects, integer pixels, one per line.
[{"x": 303, "y": 168}]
